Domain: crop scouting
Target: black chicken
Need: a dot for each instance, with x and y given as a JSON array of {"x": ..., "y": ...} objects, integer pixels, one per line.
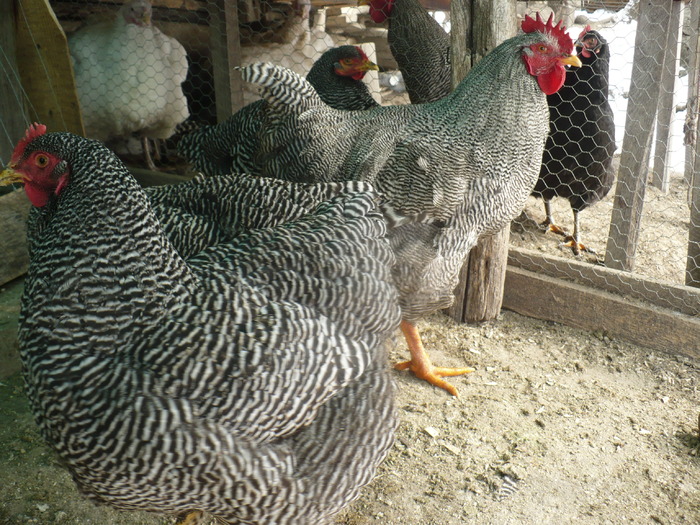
[{"x": 577, "y": 160}]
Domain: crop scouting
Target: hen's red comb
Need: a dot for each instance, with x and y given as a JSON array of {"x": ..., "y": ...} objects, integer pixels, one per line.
[
  {"x": 363, "y": 55},
  {"x": 33, "y": 131},
  {"x": 530, "y": 25},
  {"x": 585, "y": 30}
]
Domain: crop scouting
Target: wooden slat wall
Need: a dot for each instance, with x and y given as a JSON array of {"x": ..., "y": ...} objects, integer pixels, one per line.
[{"x": 45, "y": 67}]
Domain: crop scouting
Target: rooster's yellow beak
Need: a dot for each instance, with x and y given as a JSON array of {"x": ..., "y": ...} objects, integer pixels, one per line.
[
  {"x": 10, "y": 176},
  {"x": 570, "y": 60}
]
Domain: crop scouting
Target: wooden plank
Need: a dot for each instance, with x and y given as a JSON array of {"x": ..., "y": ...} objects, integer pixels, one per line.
[
  {"x": 12, "y": 119},
  {"x": 679, "y": 298},
  {"x": 14, "y": 209},
  {"x": 643, "y": 102},
  {"x": 225, "y": 55},
  {"x": 45, "y": 68},
  {"x": 572, "y": 304},
  {"x": 486, "y": 23},
  {"x": 661, "y": 177}
]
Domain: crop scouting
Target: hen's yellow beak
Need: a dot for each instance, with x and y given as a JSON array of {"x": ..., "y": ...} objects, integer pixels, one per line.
[
  {"x": 10, "y": 176},
  {"x": 571, "y": 60}
]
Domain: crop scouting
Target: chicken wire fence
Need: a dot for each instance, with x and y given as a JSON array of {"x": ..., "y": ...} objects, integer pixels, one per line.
[{"x": 644, "y": 219}]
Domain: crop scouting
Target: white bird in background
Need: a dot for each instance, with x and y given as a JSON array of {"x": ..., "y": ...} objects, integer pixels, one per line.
[{"x": 129, "y": 77}]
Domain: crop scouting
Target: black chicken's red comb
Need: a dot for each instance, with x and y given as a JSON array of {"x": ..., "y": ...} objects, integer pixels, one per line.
[
  {"x": 530, "y": 25},
  {"x": 33, "y": 131}
]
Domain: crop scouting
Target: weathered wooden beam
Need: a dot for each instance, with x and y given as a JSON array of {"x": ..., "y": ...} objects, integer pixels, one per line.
[
  {"x": 639, "y": 128},
  {"x": 14, "y": 208},
  {"x": 45, "y": 68},
  {"x": 692, "y": 14},
  {"x": 225, "y": 56},
  {"x": 692, "y": 275},
  {"x": 678, "y": 298},
  {"x": 661, "y": 177},
  {"x": 11, "y": 98},
  {"x": 477, "y": 27},
  {"x": 572, "y": 304}
]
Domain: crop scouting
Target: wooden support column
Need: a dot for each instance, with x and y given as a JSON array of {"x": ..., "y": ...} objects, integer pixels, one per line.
[
  {"x": 669, "y": 72},
  {"x": 45, "y": 67},
  {"x": 643, "y": 103},
  {"x": 692, "y": 14},
  {"x": 225, "y": 55},
  {"x": 12, "y": 119},
  {"x": 692, "y": 276},
  {"x": 477, "y": 27}
]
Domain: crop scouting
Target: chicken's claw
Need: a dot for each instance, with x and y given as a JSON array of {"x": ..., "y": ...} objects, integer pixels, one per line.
[
  {"x": 420, "y": 363},
  {"x": 433, "y": 374}
]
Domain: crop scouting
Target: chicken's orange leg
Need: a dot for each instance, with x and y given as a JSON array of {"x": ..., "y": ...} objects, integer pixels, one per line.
[{"x": 420, "y": 362}]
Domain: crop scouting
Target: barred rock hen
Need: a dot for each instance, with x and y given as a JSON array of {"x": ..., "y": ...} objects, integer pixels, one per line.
[
  {"x": 451, "y": 170},
  {"x": 249, "y": 381},
  {"x": 129, "y": 76},
  {"x": 577, "y": 160},
  {"x": 231, "y": 147},
  {"x": 420, "y": 46}
]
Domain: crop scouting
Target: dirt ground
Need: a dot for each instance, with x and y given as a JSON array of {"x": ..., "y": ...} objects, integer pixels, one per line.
[{"x": 556, "y": 426}]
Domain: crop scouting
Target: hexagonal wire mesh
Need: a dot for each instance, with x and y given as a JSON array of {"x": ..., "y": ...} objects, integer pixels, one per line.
[{"x": 647, "y": 222}]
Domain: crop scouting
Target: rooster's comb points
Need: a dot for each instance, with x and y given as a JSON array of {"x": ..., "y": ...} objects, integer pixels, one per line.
[
  {"x": 530, "y": 25},
  {"x": 33, "y": 131}
]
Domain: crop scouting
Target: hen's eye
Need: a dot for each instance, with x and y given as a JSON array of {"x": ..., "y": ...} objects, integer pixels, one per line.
[{"x": 42, "y": 160}]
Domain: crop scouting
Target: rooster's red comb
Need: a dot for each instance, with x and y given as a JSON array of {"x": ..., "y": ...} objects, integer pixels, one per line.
[
  {"x": 33, "y": 131},
  {"x": 530, "y": 25}
]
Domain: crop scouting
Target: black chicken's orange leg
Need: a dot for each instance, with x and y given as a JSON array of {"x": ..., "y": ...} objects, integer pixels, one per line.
[
  {"x": 573, "y": 241},
  {"x": 420, "y": 363},
  {"x": 548, "y": 222}
]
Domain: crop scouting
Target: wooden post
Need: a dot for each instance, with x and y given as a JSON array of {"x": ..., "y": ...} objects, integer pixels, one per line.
[
  {"x": 643, "y": 102},
  {"x": 45, "y": 68},
  {"x": 669, "y": 73},
  {"x": 225, "y": 55},
  {"x": 11, "y": 99},
  {"x": 691, "y": 119},
  {"x": 477, "y": 27},
  {"x": 692, "y": 145}
]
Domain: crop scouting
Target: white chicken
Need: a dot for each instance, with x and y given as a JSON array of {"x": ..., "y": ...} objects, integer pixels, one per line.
[{"x": 129, "y": 77}]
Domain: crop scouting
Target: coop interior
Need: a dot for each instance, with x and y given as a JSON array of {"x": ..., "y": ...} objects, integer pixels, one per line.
[
  {"x": 638, "y": 237},
  {"x": 608, "y": 242}
]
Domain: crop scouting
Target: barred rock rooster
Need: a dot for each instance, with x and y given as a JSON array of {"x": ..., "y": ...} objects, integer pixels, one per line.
[
  {"x": 248, "y": 381},
  {"x": 231, "y": 147},
  {"x": 451, "y": 170},
  {"x": 129, "y": 76},
  {"x": 577, "y": 160},
  {"x": 420, "y": 46}
]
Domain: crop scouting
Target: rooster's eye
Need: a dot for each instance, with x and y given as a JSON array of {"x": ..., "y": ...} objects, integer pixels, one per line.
[
  {"x": 542, "y": 49},
  {"x": 42, "y": 161}
]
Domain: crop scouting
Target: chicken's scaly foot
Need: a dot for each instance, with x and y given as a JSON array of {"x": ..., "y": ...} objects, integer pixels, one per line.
[
  {"x": 421, "y": 365},
  {"x": 547, "y": 225},
  {"x": 577, "y": 247}
]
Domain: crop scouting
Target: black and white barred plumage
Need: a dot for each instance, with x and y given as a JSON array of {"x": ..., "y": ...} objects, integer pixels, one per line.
[
  {"x": 230, "y": 147},
  {"x": 462, "y": 166},
  {"x": 248, "y": 381}
]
